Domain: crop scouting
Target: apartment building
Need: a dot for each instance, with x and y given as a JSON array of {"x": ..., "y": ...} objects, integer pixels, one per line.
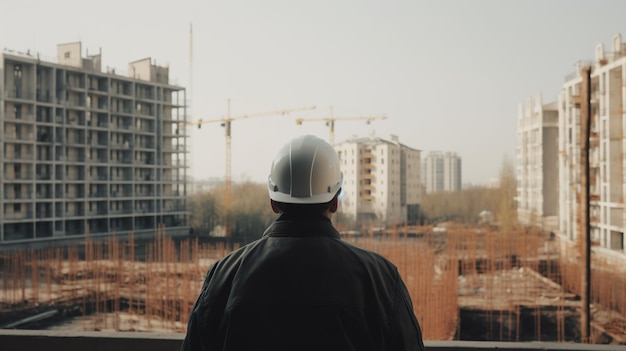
[
  {"x": 442, "y": 171},
  {"x": 87, "y": 152},
  {"x": 537, "y": 163},
  {"x": 607, "y": 145},
  {"x": 381, "y": 181}
]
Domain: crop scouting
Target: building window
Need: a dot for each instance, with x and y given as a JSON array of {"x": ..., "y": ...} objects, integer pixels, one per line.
[
  {"x": 17, "y": 111},
  {"x": 17, "y": 207},
  {"x": 17, "y": 71}
]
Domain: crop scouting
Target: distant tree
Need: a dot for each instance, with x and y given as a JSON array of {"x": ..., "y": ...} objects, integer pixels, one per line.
[
  {"x": 466, "y": 205},
  {"x": 506, "y": 214},
  {"x": 205, "y": 212},
  {"x": 251, "y": 211},
  {"x": 462, "y": 206}
]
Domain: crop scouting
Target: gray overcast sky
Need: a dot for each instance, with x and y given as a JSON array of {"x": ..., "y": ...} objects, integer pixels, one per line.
[{"x": 449, "y": 74}]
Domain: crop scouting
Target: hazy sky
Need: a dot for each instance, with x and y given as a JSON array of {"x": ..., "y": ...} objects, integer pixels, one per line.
[{"x": 450, "y": 75}]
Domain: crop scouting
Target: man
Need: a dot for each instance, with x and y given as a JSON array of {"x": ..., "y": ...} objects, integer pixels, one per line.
[{"x": 300, "y": 287}]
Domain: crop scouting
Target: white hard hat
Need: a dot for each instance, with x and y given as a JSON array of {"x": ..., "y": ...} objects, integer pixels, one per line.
[{"x": 305, "y": 171}]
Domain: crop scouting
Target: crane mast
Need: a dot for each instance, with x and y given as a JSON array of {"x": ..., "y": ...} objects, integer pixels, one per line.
[{"x": 227, "y": 178}]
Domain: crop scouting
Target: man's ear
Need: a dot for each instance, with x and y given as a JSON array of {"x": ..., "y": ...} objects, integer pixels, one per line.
[
  {"x": 274, "y": 207},
  {"x": 334, "y": 204}
]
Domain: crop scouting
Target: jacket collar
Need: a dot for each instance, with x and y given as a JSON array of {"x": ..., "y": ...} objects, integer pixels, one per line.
[{"x": 313, "y": 225}]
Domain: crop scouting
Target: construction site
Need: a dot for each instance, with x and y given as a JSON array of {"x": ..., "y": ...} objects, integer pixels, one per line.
[{"x": 467, "y": 283}]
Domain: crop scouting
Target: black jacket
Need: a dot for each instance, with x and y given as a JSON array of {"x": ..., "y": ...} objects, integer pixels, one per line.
[{"x": 300, "y": 287}]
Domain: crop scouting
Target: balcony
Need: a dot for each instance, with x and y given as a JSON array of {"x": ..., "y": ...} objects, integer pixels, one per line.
[
  {"x": 28, "y": 214},
  {"x": 145, "y": 130},
  {"x": 369, "y": 176},
  {"x": 97, "y": 194},
  {"x": 368, "y": 188},
  {"x": 367, "y": 197},
  {"x": 97, "y": 212},
  {"x": 120, "y": 211},
  {"x": 173, "y": 148},
  {"x": 140, "y": 341},
  {"x": 12, "y": 116},
  {"x": 18, "y": 195},
  {"x": 44, "y": 176},
  {"x": 18, "y": 176},
  {"x": 19, "y": 94},
  {"x": 18, "y": 136}
]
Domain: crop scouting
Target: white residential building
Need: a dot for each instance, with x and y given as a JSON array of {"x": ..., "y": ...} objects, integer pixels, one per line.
[
  {"x": 442, "y": 171},
  {"x": 537, "y": 164},
  {"x": 607, "y": 145},
  {"x": 381, "y": 181}
]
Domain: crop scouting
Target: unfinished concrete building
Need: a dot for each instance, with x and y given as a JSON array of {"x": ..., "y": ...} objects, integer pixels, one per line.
[
  {"x": 607, "y": 145},
  {"x": 89, "y": 152},
  {"x": 381, "y": 181},
  {"x": 537, "y": 164}
]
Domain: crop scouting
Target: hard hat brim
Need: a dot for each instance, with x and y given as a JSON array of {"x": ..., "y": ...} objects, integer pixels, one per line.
[{"x": 311, "y": 200}]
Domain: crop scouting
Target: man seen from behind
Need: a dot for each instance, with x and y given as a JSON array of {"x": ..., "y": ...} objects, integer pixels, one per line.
[{"x": 300, "y": 287}]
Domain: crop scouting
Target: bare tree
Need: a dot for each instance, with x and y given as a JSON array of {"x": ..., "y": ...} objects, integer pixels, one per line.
[
  {"x": 506, "y": 213},
  {"x": 251, "y": 211}
]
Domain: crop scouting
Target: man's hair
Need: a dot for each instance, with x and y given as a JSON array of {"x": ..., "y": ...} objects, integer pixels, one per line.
[{"x": 302, "y": 209}]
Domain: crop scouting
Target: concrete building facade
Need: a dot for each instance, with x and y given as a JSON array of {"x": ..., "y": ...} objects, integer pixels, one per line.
[
  {"x": 442, "y": 171},
  {"x": 89, "y": 152},
  {"x": 537, "y": 164},
  {"x": 607, "y": 145},
  {"x": 381, "y": 181}
]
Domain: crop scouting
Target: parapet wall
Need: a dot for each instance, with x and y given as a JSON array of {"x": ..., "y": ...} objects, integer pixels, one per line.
[{"x": 136, "y": 341}]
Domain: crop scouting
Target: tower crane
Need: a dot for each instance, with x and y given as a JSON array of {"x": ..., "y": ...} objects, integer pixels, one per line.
[
  {"x": 226, "y": 122},
  {"x": 331, "y": 119}
]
